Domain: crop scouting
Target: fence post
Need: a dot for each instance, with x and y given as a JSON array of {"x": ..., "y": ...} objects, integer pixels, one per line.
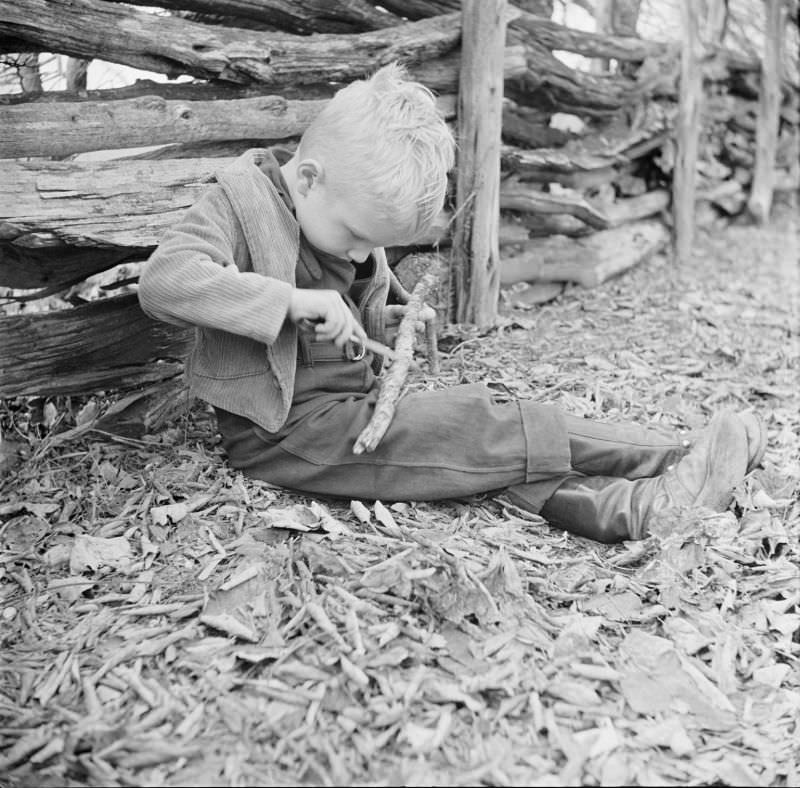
[
  {"x": 476, "y": 248},
  {"x": 769, "y": 108},
  {"x": 684, "y": 181}
]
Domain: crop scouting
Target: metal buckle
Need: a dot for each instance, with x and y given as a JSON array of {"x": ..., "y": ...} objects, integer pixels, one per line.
[{"x": 354, "y": 354}]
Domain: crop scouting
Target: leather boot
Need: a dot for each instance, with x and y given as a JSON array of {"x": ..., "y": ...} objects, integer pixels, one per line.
[
  {"x": 610, "y": 509},
  {"x": 628, "y": 451}
]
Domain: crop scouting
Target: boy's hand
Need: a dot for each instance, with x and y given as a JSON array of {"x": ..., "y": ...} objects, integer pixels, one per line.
[
  {"x": 334, "y": 322},
  {"x": 393, "y": 314}
]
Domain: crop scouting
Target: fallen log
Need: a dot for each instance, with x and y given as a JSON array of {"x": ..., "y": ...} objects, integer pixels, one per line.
[
  {"x": 108, "y": 343},
  {"x": 588, "y": 260},
  {"x": 391, "y": 384}
]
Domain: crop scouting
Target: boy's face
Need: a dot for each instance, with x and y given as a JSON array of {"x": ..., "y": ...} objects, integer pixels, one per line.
[{"x": 341, "y": 225}]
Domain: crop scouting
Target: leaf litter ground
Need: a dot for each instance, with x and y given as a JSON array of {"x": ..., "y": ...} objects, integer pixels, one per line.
[{"x": 166, "y": 621}]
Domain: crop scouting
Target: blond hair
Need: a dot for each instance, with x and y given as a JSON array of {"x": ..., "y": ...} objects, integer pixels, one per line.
[{"x": 384, "y": 141}]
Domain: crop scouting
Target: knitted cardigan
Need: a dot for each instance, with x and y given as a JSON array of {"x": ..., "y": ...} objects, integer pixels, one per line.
[{"x": 228, "y": 268}]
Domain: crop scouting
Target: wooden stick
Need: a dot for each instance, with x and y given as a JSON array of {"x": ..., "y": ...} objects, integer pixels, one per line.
[{"x": 391, "y": 384}]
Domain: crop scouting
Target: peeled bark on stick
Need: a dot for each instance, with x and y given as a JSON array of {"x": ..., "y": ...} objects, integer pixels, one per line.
[{"x": 391, "y": 384}]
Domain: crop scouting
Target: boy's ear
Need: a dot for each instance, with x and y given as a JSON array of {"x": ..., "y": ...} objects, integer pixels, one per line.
[{"x": 309, "y": 171}]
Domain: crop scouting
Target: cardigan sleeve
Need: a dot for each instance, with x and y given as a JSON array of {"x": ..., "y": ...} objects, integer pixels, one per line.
[{"x": 195, "y": 276}]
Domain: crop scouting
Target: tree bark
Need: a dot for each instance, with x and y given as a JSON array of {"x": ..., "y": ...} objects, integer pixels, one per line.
[
  {"x": 106, "y": 344},
  {"x": 769, "y": 107},
  {"x": 124, "y": 203},
  {"x": 480, "y": 112},
  {"x": 309, "y": 16},
  {"x": 419, "y": 9}
]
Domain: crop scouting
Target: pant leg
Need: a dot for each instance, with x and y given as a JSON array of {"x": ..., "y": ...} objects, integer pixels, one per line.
[
  {"x": 440, "y": 444},
  {"x": 623, "y": 449},
  {"x": 609, "y": 450}
]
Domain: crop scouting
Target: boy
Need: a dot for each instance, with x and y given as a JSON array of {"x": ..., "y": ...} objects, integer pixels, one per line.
[{"x": 281, "y": 242}]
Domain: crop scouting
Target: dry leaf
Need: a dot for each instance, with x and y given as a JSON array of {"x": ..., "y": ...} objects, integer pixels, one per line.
[
  {"x": 169, "y": 513},
  {"x": 385, "y": 518},
  {"x": 92, "y": 552},
  {"x": 360, "y": 511}
]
